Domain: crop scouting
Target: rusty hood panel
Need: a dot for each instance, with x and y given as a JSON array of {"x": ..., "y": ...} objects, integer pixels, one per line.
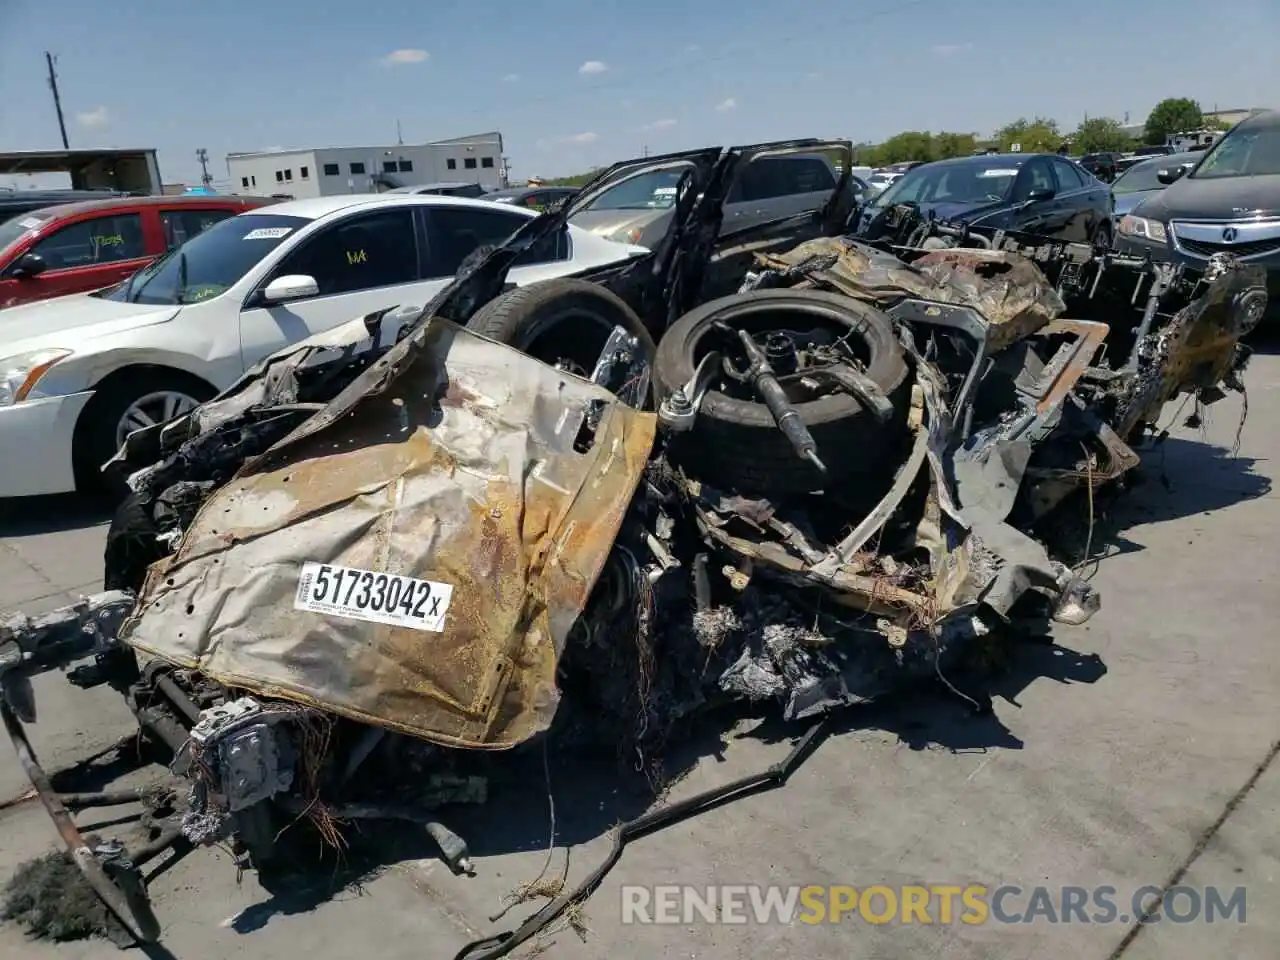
[
  {"x": 1010, "y": 291},
  {"x": 461, "y": 470}
]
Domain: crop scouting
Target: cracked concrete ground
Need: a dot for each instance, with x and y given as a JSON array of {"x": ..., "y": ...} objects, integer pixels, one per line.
[{"x": 1133, "y": 751}]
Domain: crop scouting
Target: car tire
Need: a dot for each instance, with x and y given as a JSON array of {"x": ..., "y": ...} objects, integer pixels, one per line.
[
  {"x": 735, "y": 444},
  {"x": 94, "y": 442},
  {"x": 1102, "y": 238},
  {"x": 524, "y": 318},
  {"x": 132, "y": 545}
]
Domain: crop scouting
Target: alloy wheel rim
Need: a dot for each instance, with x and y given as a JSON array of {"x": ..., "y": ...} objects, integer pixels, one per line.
[{"x": 159, "y": 406}]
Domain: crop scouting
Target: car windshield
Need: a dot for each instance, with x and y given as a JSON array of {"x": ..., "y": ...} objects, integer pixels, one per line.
[
  {"x": 208, "y": 264},
  {"x": 1245, "y": 152},
  {"x": 15, "y": 228},
  {"x": 1140, "y": 177},
  {"x": 650, "y": 191},
  {"x": 986, "y": 182},
  {"x": 1145, "y": 175}
]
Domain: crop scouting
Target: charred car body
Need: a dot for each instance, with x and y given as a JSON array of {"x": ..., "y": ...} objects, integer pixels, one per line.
[{"x": 780, "y": 465}]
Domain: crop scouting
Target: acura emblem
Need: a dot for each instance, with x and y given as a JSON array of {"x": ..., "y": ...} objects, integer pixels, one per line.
[{"x": 1229, "y": 235}]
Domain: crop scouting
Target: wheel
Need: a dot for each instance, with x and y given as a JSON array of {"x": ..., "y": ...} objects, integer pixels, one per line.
[
  {"x": 131, "y": 545},
  {"x": 735, "y": 443},
  {"x": 121, "y": 405},
  {"x": 562, "y": 322}
]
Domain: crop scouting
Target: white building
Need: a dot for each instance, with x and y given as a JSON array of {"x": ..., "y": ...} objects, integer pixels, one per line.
[{"x": 326, "y": 171}]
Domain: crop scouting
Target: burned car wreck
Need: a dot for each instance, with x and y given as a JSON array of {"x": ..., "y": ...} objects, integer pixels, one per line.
[{"x": 783, "y": 467}]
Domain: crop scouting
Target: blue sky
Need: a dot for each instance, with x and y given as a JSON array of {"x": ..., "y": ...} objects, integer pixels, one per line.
[{"x": 575, "y": 83}]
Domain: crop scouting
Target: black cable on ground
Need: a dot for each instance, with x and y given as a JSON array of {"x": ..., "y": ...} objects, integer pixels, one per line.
[{"x": 501, "y": 944}]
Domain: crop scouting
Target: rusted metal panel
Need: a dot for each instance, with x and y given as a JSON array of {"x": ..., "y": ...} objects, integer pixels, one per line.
[
  {"x": 1009, "y": 291},
  {"x": 462, "y": 471}
]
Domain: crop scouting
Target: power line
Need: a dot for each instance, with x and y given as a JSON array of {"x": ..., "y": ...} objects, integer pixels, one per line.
[
  {"x": 202, "y": 155},
  {"x": 57, "y": 100}
]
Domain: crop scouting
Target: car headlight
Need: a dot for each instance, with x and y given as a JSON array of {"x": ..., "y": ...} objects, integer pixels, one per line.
[
  {"x": 20, "y": 373},
  {"x": 1131, "y": 226}
]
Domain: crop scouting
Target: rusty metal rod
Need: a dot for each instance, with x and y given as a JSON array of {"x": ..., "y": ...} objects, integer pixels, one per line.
[
  {"x": 111, "y": 798},
  {"x": 171, "y": 838},
  {"x": 160, "y": 722},
  {"x": 178, "y": 697},
  {"x": 135, "y": 913}
]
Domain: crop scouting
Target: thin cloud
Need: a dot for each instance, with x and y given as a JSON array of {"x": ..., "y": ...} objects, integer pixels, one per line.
[
  {"x": 947, "y": 49},
  {"x": 398, "y": 58},
  {"x": 98, "y": 117},
  {"x": 813, "y": 75},
  {"x": 275, "y": 149},
  {"x": 580, "y": 138},
  {"x": 726, "y": 105},
  {"x": 511, "y": 78},
  {"x": 692, "y": 48},
  {"x": 664, "y": 124},
  {"x": 593, "y": 67}
]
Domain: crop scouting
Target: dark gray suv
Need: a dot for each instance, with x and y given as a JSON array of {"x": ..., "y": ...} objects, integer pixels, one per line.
[{"x": 1229, "y": 202}]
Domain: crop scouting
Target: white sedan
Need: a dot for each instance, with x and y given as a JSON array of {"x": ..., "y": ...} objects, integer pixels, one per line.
[{"x": 79, "y": 373}]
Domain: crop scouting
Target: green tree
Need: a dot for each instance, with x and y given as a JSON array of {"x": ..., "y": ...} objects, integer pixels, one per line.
[
  {"x": 1100, "y": 135},
  {"x": 908, "y": 145},
  {"x": 577, "y": 180},
  {"x": 1039, "y": 135},
  {"x": 1172, "y": 115},
  {"x": 954, "y": 145}
]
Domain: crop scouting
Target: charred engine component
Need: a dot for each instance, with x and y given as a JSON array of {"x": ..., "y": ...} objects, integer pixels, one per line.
[
  {"x": 246, "y": 749},
  {"x": 845, "y": 353},
  {"x": 33, "y": 645},
  {"x": 244, "y": 756},
  {"x": 760, "y": 374}
]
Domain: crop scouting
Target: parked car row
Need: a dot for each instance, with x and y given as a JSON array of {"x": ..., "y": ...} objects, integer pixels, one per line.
[
  {"x": 1043, "y": 194},
  {"x": 79, "y": 373},
  {"x": 195, "y": 290}
]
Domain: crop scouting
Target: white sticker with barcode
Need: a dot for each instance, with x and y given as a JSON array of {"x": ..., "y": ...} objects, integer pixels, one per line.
[
  {"x": 376, "y": 597},
  {"x": 30, "y": 223},
  {"x": 268, "y": 233}
]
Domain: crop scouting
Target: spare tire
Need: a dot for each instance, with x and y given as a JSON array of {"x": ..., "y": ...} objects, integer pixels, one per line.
[
  {"x": 559, "y": 320},
  {"x": 735, "y": 444}
]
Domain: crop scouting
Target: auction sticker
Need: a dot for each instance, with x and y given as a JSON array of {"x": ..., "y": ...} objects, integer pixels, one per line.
[
  {"x": 376, "y": 597},
  {"x": 268, "y": 233}
]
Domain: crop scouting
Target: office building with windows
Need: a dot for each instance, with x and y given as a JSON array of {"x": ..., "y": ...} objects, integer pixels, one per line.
[{"x": 329, "y": 171}]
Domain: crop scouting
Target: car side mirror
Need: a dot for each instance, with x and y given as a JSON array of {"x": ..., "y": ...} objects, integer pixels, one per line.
[
  {"x": 29, "y": 265},
  {"x": 1041, "y": 193},
  {"x": 295, "y": 286},
  {"x": 1167, "y": 175}
]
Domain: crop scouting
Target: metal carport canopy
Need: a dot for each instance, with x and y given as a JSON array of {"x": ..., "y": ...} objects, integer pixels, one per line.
[{"x": 90, "y": 168}]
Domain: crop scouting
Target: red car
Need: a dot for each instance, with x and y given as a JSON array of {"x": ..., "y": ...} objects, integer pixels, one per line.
[{"x": 77, "y": 247}]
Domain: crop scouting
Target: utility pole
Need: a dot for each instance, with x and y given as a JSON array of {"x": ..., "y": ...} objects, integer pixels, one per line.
[
  {"x": 644, "y": 150},
  {"x": 399, "y": 136},
  {"x": 202, "y": 155},
  {"x": 57, "y": 100}
]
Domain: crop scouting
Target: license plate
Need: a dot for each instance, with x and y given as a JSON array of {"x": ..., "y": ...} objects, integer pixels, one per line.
[{"x": 376, "y": 597}]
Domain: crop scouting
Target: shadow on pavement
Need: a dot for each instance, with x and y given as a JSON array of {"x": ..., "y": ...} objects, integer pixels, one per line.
[
  {"x": 595, "y": 791},
  {"x": 31, "y": 516},
  {"x": 1178, "y": 478},
  {"x": 1265, "y": 339}
]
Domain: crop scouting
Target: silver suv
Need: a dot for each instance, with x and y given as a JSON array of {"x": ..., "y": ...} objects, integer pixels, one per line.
[{"x": 638, "y": 209}]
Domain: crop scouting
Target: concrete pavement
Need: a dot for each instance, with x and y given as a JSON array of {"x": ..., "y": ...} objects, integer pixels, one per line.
[{"x": 1133, "y": 751}]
